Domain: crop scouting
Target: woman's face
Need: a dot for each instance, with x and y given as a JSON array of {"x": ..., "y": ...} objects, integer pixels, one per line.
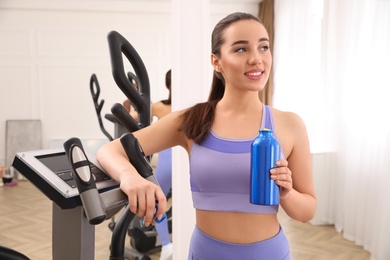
[{"x": 245, "y": 60}]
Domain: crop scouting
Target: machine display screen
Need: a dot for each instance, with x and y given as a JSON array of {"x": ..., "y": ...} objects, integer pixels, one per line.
[
  {"x": 57, "y": 162},
  {"x": 51, "y": 172}
]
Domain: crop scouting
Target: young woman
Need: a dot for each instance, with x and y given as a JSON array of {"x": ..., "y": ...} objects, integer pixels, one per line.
[{"x": 217, "y": 135}]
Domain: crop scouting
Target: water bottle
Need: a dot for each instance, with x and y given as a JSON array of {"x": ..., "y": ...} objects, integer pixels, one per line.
[{"x": 265, "y": 151}]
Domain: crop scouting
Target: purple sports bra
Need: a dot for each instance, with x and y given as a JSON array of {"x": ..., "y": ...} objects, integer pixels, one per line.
[{"x": 220, "y": 173}]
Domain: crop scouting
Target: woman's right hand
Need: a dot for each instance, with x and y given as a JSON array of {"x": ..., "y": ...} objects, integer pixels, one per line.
[{"x": 143, "y": 195}]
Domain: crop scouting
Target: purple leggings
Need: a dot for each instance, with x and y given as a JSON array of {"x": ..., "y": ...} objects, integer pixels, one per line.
[{"x": 204, "y": 247}]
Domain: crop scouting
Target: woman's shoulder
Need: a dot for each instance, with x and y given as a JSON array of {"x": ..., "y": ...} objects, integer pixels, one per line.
[
  {"x": 174, "y": 115},
  {"x": 287, "y": 119},
  {"x": 159, "y": 109},
  {"x": 159, "y": 105},
  {"x": 291, "y": 130}
]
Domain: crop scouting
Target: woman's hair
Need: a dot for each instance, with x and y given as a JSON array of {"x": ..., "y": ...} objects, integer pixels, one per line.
[
  {"x": 197, "y": 121},
  {"x": 168, "y": 85}
]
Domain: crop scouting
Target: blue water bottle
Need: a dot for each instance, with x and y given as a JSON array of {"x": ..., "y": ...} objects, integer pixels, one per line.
[{"x": 265, "y": 151}]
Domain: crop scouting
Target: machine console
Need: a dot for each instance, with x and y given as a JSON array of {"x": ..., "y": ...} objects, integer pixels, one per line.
[{"x": 50, "y": 171}]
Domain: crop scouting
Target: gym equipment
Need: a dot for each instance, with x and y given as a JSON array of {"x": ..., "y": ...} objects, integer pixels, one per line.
[
  {"x": 94, "y": 206},
  {"x": 119, "y": 128},
  {"x": 95, "y": 92},
  {"x": 73, "y": 231},
  {"x": 51, "y": 172},
  {"x": 141, "y": 238},
  {"x": 140, "y": 98}
]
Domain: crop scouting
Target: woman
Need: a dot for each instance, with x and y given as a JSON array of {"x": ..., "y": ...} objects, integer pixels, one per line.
[{"x": 217, "y": 135}]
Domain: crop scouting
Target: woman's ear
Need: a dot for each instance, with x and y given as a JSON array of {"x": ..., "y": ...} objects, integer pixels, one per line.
[{"x": 215, "y": 62}]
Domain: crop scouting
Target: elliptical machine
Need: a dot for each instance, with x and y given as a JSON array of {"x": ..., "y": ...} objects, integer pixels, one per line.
[
  {"x": 73, "y": 217},
  {"x": 143, "y": 239}
]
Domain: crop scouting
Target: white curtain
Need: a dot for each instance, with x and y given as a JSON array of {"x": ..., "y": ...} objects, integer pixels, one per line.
[{"x": 332, "y": 66}]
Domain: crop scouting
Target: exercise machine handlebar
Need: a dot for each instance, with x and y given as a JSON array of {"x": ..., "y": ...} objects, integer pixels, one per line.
[
  {"x": 124, "y": 118},
  {"x": 140, "y": 98},
  {"x": 81, "y": 173},
  {"x": 95, "y": 92}
]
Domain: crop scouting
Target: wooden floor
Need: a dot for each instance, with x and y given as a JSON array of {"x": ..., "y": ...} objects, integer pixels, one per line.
[{"x": 25, "y": 225}]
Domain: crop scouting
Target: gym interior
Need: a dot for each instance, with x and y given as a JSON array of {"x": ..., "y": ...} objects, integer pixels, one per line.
[{"x": 57, "y": 61}]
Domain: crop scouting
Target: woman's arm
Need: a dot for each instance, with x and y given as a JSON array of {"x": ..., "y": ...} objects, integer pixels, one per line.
[
  {"x": 142, "y": 193},
  {"x": 294, "y": 175}
]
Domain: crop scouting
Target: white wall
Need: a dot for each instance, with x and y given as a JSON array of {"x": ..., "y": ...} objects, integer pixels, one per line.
[{"x": 49, "y": 50}]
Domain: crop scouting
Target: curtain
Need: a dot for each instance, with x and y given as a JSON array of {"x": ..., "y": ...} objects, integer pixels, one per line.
[
  {"x": 331, "y": 66},
  {"x": 357, "y": 55},
  {"x": 266, "y": 14}
]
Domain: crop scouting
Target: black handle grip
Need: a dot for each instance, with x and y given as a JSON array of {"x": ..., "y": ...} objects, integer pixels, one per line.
[
  {"x": 79, "y": 163},
  {"x": 124, "y": 117},
  {"x": 141, "y": 101},
  {"x": 81, "y": 173},
  {"x": 136, "y": 155}
]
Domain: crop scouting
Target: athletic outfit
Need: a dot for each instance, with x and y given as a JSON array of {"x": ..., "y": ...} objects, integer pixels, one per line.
[
  {"x": 163, "y": 174},
  {"x": 220, "y": 181}
]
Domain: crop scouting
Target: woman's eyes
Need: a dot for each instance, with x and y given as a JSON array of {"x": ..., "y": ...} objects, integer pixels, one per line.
[
  {"x": 264, "y": 48},
  {"x": 241, "y": 49},
  {"x": 244, "y": 49}
]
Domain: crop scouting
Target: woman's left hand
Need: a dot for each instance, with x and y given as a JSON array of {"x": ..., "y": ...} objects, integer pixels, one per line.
[{"x": 282, "y": 177}]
